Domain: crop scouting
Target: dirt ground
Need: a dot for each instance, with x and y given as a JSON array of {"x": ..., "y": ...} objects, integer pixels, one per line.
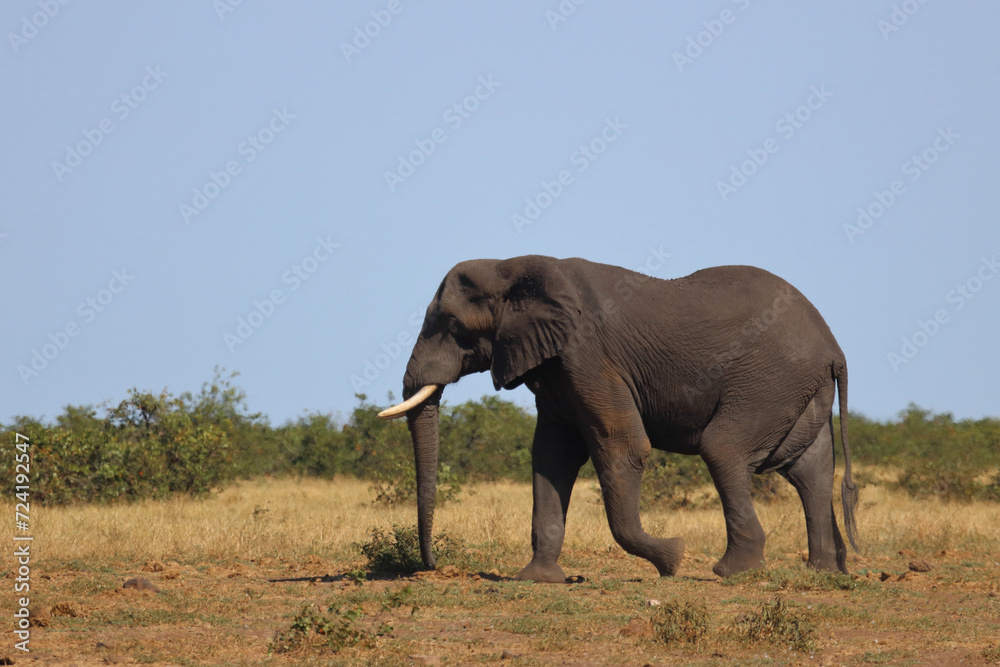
[
  {"x": 269, "y": 572},
  {"x": 228, "y": 613}
]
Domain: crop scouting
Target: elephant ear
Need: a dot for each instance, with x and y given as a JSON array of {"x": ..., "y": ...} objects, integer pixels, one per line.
[{"x": 538, "y": 313}]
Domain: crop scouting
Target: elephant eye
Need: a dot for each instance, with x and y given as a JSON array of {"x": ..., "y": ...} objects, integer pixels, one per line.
[{"x": 454, "y": 328}]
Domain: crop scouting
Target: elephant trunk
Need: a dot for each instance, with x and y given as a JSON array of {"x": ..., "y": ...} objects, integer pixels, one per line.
[{"x": 423, "y": 425}]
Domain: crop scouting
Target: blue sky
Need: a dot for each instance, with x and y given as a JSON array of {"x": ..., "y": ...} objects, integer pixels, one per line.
[{"x": 279, "y": 189}]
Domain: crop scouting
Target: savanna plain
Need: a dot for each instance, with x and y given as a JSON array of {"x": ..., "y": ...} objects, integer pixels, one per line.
[{"x": 272, "y": 571}]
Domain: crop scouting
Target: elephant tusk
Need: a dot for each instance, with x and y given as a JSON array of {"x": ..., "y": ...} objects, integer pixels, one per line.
[{"x": 404, "y": 407}]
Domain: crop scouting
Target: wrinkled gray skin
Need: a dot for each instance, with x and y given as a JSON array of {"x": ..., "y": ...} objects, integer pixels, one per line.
[{"x": 731, "y": 363}]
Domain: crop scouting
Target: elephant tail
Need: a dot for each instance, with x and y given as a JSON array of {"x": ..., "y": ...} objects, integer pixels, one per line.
[{"x": 848, "y": 490}]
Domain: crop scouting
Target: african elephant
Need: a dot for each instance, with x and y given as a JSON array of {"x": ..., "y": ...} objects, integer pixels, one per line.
[{"x": 731, "y": 363}]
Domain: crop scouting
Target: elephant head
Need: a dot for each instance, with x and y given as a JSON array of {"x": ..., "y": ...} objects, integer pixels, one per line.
[{"x": 504, "y": 316}]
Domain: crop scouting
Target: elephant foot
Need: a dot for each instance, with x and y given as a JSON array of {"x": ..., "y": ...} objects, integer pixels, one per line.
[
  {"x": 547, "y": 573},
  {"x": 733, "y": 563},
  {"x": 668, "y": 556},
  {"x": 829, "y": 563}
]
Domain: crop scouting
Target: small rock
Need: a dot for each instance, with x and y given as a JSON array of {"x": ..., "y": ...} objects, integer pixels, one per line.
[
  {"x": 920, "y": 565},
  {"x": 424, "y": 660},
  {"x": 636, "y": 628},
  {"x": 885, "y": 576},
  {"x": 39, "y": 617},
  {"x": 507, "y": 655},
  {"x": 141, "y": 585},
  {"x": 652, "y": 603},
  {"x": 153, "y": 566}
]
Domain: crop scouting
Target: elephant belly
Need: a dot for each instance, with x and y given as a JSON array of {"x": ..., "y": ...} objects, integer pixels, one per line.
[{"x": 673, "y": 440}]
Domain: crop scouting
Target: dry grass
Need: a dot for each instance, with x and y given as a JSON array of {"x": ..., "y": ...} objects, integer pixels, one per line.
[
  {"x": 251, "y": 557},
  {"x": 316, "y": 517}
]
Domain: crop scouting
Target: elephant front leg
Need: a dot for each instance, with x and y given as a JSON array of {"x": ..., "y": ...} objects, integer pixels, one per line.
[
  {"x": 557, "y": 454},
  {"x": 619, "y": 447}
]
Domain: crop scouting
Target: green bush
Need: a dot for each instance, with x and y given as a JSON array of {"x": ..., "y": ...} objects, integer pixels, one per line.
[
  {"x": 311, "y": 628},
  {"x": 397, "y": 551},
  {"x": 152, "y": 445},
  {"x": 147, "y": 446},
  {"x": 936, "y": 455},
  {"x": 316, "y": 446},
  {"x": 670, "y": 480},
  {"x": 393, "y": 552},
  {"x": 487, "y": 440}
]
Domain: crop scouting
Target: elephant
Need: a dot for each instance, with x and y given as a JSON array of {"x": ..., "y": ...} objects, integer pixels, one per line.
[{"x": 731, "y": 363}]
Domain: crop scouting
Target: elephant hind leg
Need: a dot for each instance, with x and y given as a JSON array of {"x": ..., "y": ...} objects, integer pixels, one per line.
[
  {"x": 744, "y": 534},
  {"x": 806, "y": 459},
  {"x": 812, "y": 476}
]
